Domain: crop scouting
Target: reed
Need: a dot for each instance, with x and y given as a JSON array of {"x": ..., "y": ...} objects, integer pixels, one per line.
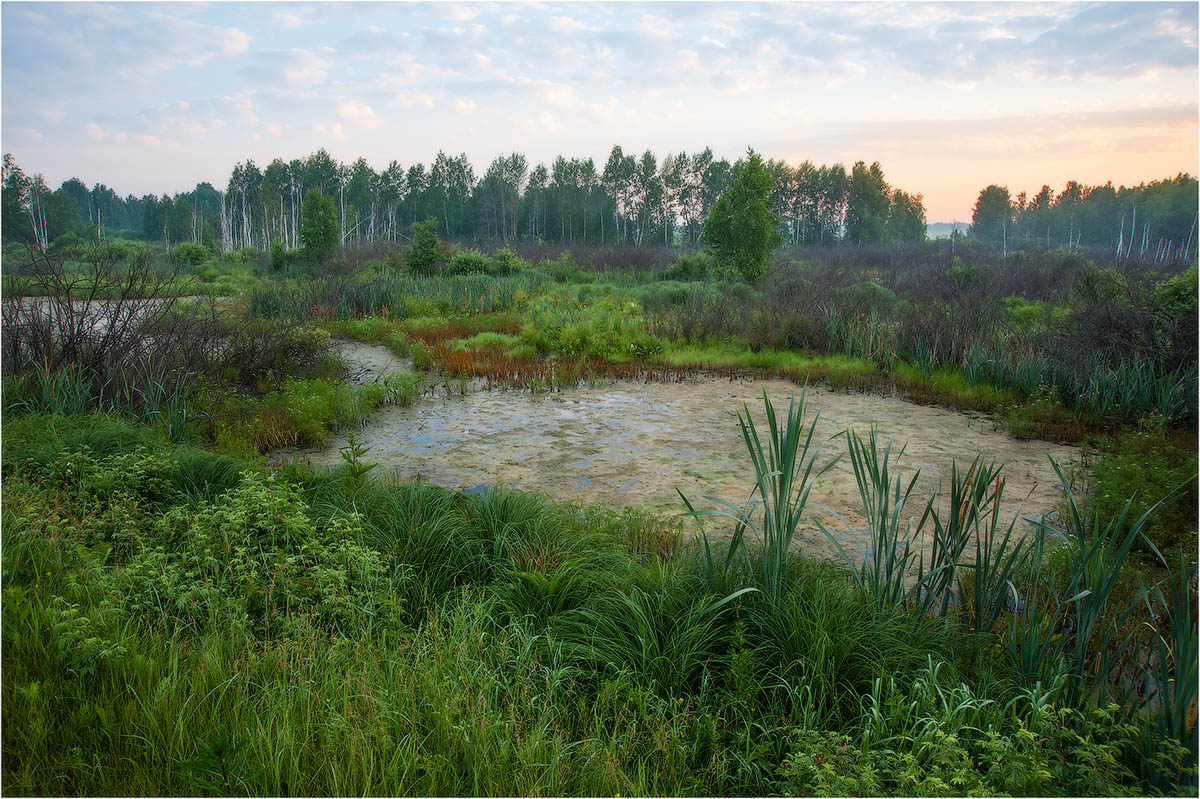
[{"x": 784, "y": 471}]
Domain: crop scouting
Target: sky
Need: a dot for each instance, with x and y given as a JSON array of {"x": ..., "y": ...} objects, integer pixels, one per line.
[{"x": 948, "y": 97}]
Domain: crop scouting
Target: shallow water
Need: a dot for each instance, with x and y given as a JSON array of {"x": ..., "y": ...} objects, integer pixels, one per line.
[{"x": 636, "y": 443}]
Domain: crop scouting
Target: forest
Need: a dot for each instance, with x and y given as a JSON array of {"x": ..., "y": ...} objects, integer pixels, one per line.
[{"x": 630, "y": 200}]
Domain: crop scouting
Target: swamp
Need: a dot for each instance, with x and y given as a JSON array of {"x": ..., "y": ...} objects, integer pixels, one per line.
[
  {"x": 561, "y": 399},
  {"x": 568, "y": 526}
]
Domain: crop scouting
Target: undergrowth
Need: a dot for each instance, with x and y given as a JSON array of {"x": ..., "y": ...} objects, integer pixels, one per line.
[{"x": 176, "y": 622}]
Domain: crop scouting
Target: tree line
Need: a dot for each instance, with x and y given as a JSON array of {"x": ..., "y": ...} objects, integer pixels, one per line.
[
  {"x": 627, "y": 200},
  {"x": 1150, "y": 221}
]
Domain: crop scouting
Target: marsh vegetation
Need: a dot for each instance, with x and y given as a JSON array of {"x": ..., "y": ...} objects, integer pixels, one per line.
[{"x": 868, "y": 603}]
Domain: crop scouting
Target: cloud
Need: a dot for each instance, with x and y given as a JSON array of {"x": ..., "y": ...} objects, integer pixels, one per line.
[
  {"x": 335, "y": 131},
  {"x": 539, "y": 124},
  {"x": 567, "y": 25},
  {"x": 740, "y": 80},
  {"x": 158, "y": 144},
  {"x": 569, "y": 76},
  {"x": 286, "y": 17},
  {"x": 360, "y": 114},
  {"x": 32, "y": 134},
  {"x": 406, "y": 98},
  {"x": 295, "y": 67}
]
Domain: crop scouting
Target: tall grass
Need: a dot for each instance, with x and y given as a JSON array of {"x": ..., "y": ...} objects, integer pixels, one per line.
[
  {"x": 1081, "y": 634},
  {"x": 1172, "y": 676},
  {"x": 784, "y": 472},
  {"x": 499, "y": 642},
  {"x": 885, "y": 571},
  {"x": 999, "y": 556}
]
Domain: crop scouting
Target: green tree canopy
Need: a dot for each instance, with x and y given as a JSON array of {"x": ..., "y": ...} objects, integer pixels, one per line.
[
  {"x": 906, "y": 218},
  {"x": 993, "y": 214},
  {"x": 318, "y": 225},
  {"x": 741, "y": 231},
  {"x": 867, "y": 205},
  {"x": 426, "y": 251}
]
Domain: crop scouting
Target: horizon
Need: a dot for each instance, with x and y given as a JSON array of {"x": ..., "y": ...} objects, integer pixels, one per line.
[{"x": 948, "y": 98}]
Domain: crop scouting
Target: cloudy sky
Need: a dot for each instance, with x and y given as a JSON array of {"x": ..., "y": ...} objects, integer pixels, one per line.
[{"x": 948, "y": 97}]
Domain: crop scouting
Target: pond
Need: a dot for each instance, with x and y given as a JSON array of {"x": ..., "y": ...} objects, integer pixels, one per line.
[{"x": 631, "y": 443}]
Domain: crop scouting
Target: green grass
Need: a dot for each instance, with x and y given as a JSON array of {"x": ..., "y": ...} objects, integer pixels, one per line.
[
  {"x": 180, "y": 621},
  {"x": 176, "y": 622},
  {"x": 953, "y": 387},
  {"x": 500, "y": 341},
  {"x": 837, "y": 369}
]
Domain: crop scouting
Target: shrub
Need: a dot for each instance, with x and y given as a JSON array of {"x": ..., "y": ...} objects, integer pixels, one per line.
[
  {"x": 190, "y": 253},
  {"x": 246, "y": 255},
  {"x": 1060, "y": 751},
  {"x": 869, "y": 295},
  {"x": 564, "y": 269},
  {"x": 689, "y": 268},
  {"x": 254, "y": 555},
  {"x": 506, "y": 262},
  {"x": 281, "y": 257},
  {"x": 425, "y": 255},
  {"x": 422, "y": 356},
  {"x": 69, "y": 244},
  {"x": 304, "y": 345},
  {"x": 469, "y": 262},
  {"x": 1042, "y": 417},
  {"x": 318, "y": 226}
]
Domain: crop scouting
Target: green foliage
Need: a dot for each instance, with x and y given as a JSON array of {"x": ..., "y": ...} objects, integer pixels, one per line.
[
  {"x": 318, "y": 226},
  {"x": 190, "y": 253},
  {"x": 607, "y": 329},
  {"x": 506, "y": 262},
  {"x": 470, "y": 262},
  {"x": 906, "y": 218},
  {"x": 425, "y": 255},
  {"x": 199, "y": 626},
  {"x": 281, "y": 258},
  {"x": 783, "y": 475},
  {"x": 1036, "y": 418},
  {"x": 563, "y": 269},
  {"x": 933, "y": 740},
  {"x": 1032, "y": 315},
  {"x": 993, "y": 214},
  {"x": 868, "y": 203},
  {"x": 689, "y": 268},
  {"x": 741, "y": 230},
  {"x": 246, "y": 255},
  {"x": 422, "y": 356},
  {"x": 1144, "y": 464},
  {"x": 312, "y": 409},
  {"x": 403, "y": 388},
  {"x": 352, "y": 454},
  {"x": 666, "y": 641},
  {"x": 253, "y": 557},
  {"x": 1078, "y": 637}
]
